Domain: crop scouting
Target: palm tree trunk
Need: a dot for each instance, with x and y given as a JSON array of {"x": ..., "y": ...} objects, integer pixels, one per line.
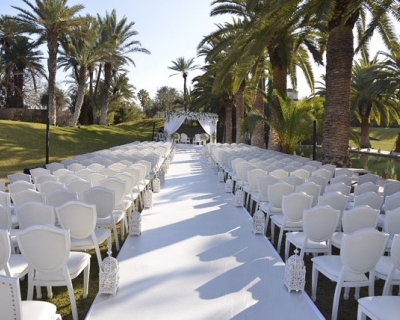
[
  {"x": 184, "y": 92},
  {"x": 239, "y": 102},
  {"x": 228, "y": 119},
  {"x": 19, "y": 87},
  {"x": 82, "y": 78},
  {"x": 279, "y": 75},
  {"x": 257, "y": 139},
  {"x": 52, "y": 46},
  {"x": 105, "y": 94},
  {"x": 365, "y": 142},
  {"x": 339, "y": 58}
]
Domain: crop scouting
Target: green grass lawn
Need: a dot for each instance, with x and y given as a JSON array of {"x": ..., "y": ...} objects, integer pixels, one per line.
[{"x": 381, "y": 138}]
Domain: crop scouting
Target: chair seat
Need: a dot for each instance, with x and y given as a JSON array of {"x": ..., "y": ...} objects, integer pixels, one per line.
[
  {"x": 297, "y": 239},
  {"x": 18, "y": 266},
  {"x": 379, "y": 307},
  {"x": 266, "y": 207},
  {"x": 77, "y": 261},
  {"x": 332, "y": 266},
  {"x": 278, "y": 220},
  {"x": 337, "y": 239},
  {"x": 384, "y": 266},
  {"x": 87, "y": 243},
  {"x": 32, "y": 310},
  {"x": 118, "y": 216}
]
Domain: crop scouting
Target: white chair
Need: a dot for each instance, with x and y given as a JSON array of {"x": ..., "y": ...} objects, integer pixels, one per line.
[
  {"x": 276, "y": 192},
  {"x": 2, "y": 186},
  {"x": 378, "y": 308},
  {"x": 95, "y": 178},
  {"x": 322, "y": 172},
  {"x": 26, "y": 195},
  {"x": 83, "y": 173},
  {"x": 279, "y": 173},
  {"x": 338, "y": 187},
  {"x": 104, "y": 200},
  {"x": 184, "y": 138},
  {"x": 390, "y": 188},
  {"x": 197, "y": 139},
  {"x": 80, "y": 219},
  {"x": 18, "y": 176},
  {"x": 390, "y": 202},
  {"x": 51, "y": 261},
  {"x": 310, "y": 188},
  {"x": 68, "y": 177},
  {"x": 337, "y": 201},
  {"x": 60, "y": 196},
  {"x": 12, "y": 307},
  {"x": 49, "y": 186},
  {"x": 370, "y": 198},
  {"x": 359, "y": 255},
  {"x": 11, "y": 264},
  {"x": 75, "y": 167},
  {"x": 291, "y": 218},
  {"x": 342, "y": 178},
  {"x": 319, "y": 223},
  {"x": 345, "y": 171},
  {"x": 357, "y": 218},
  {"x": 391, "y": 225},
  {"x": 20, "y": 185},
  {"x": 45, "y": 177},
  {"x": 365, "y": 187},
  {"x": 61, "y": 172},
  {"x": 37, "y": 172},
  {"x": 320, "y": 180},
  {"x": 301, "y": 173},
  {"x": 367, "y": 178},
  {"x": 31, "y": 213},
  {"x": 79, "y": 186},
  {"x": 330, "y": 167},
  {"x": 53, "y": 166},
  {"x": 117, "y": 166},
  {"x": 294, "y": 180},
  {"x": 109, "y": 172},
  {"x": 388, "y": 267},
  {"x": 95, "y": 167},
  {"x": 252, "y": 177}
]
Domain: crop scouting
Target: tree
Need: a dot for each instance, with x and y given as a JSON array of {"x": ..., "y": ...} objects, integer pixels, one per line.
[
  {"x": 50, "y": 19},
  {"x": 116, "y": 35},
  {"x": 183, "y": 67},
  {"x": 79, "y": 54},
  {"x": 165, "y": 99},
  {"x": 145, "y": 101}
]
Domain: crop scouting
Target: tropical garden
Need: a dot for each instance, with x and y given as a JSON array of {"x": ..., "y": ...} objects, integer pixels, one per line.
[{"x": 249, "y": 64}]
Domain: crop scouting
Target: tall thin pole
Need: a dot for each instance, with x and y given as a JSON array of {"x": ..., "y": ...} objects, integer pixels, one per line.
[
  {"x": 314, "y": 139},
  {"x": 47, "y": 136}
]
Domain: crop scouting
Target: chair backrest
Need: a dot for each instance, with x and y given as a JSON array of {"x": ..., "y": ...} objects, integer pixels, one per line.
[
  {"x": 320, "y": 222},
  {"x": 279, "y": 173},
  {"x": 20, "y": 185},
  {"x": 294, "y": 204},
  {"x": 392, "y": 221},
  {"x": 117, "y": 185},
  {"x": 128, "y": 179},
  {"x": 294, "y": 180},
  {"x": 109, "y": 172},
  {"x": 395, "y": 251},
  {"x": 5, "y": 218},
  {"x": 5, "y": 252},
  {"x": 365, "y": 187},
  {"x": 45, "y": 177},
  {"x": 13, "y": 177},
  {"x": 359, "y": 217},
  {"x": 345, "y": 171},
  {"x": 370, "y": 198},
  {"x": 102, "y": 198},
  {"x": 392, "y": 201},
  {"x": 330, "y": 167},
  {"x": 338, "y": 187},
  {"x": 263, "y": 186},
  {"x": 95, "y": 178},
  {"x": 310, "y": 188},
  {"x": 342, "y": 178},
  {"x": 79, "y": 186},
  {"x": 26, "y": 195},
  {"x": 336, "y": 200},
  {"x": 315, "y": 163},
  {"x": 309, "y": 168},
  {"x": 117, "y": 166},
  {"x": 320, "y": 180},
  {"x": 49, "y": 186},
  {"x": 31, "y": 213},
  {"x": 61, "y": 172},
  {"x": 75, "y": 167},
  {"x": 5, "y": 198},
  {"x": 95, "y": 166},
  {"x": 360, "y": 251},
  {"x": 369, "y": 177},
  {"x": 253, "y": 176},
  {"x": 83, "y": 173},
  {"x": 244, "y": 168},
  {"x": 37, "y": 172},
  {"x": 301, "y": 173},
  {"x": 68, "y": 177},
  {"x": 390, "y": 188},
  {"x": 142, "y": 170},
  {"x": 60, "y": 196},
  {"x": 78, "y": 217},
  {"x": 322, "y": 172},
  {"x": 234, "y": 162},
  {"x": 53, "y": 166},
  {"x": 46, "y": 248},
  {"x": 10, "y": 293},
  {"x": 276, "y": 192}
]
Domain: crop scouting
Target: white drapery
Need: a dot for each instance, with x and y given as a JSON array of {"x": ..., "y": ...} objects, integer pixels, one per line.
[{"x": 173, "y": 120}]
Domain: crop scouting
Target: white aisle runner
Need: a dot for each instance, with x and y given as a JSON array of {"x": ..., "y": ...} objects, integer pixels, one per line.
[{"x": 198, "y": 259}]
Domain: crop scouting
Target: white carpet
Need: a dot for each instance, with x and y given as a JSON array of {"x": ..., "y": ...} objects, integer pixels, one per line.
[{"x": 198, "y": 259}]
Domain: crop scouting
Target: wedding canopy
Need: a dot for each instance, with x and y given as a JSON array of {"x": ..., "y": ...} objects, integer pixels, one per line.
[{"x": 174, "y": 119}]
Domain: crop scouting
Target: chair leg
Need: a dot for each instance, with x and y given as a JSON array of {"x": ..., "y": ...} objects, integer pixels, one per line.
[
  {"x": 314, "y": 283},
  {"x": 360, "y": 313},
  {"x": 72, "y": 300},
  {"x": 287, "y": 246},
  {"x": 116, "y": 237},
  {"x": 336, "y": 299},
  {"x": 272, "y": 232},
  {"x": 86, "y": 275},
  {"x": 279, "y": 239}
]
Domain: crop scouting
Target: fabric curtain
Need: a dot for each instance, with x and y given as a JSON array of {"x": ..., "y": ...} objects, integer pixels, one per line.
[
  {"x": 173, "y": 124},
  {"x": 210, "y": 127}
]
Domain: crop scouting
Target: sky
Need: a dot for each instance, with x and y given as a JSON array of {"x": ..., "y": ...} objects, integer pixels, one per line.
[{"x": 168, "y": 29}]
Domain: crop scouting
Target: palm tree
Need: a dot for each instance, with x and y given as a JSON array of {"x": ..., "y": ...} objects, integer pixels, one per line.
[
  {"x": 79, "y": 54},
  {"x": 374, "y": 92},
  {"x": 50, "y": 19},
  {"x": 22, "y": 58},
  {"x": 183, "y": 67},
  {"x": 116, "y": 35},
  {"x": 338, "y": 19}
]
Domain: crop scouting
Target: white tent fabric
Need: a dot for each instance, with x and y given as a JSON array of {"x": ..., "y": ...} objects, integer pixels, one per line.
[{"x": 173, "y": 120}]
